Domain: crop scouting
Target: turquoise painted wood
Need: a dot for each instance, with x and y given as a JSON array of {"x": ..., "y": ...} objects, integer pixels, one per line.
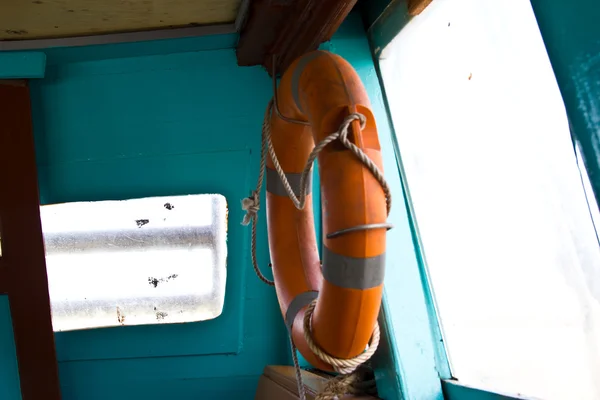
[
  {"x": 22, "y": 65},
  {"x": 173, "y": 123},
  {"x": 150, "y": 126},
  {"x": 64, "y": 55},
  {"x": 387, "y": 22},
  {"x": 186, "y": 121},
  {"x": 9, "y": 373},
  {"x": 454, "y": 390},
  {"x": 571, "y": 33},
  {"x": 178, "y": 117}
]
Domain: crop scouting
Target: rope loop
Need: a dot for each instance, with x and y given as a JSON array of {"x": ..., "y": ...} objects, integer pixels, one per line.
[
  {"x": 251, "y": 205},
  {"x": 348, "y": 121},
  {"x": 341, "y": 365},
  {"x": 342, "y": 135}
]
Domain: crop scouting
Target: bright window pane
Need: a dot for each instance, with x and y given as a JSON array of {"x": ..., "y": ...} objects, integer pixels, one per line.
[
  {"x": 133, "y": 262},
  {"x": 510, "y": 246}
]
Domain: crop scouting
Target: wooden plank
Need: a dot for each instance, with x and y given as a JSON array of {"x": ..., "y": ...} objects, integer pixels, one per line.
[
  {"x": 23, "y": 258},
  {"x": 22, "y": 65},
  {"x": 117, "y": 38},
  {"x": 66, "y": 18},
  {"x": 416, "y": 7},
  {"x": 288, "y": 29}
]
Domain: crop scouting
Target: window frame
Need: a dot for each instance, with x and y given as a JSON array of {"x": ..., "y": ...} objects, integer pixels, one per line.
[{"x": 380, "y": 32}]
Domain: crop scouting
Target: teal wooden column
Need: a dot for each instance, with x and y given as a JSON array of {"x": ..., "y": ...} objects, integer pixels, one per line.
[{"x": 571, "y": 32}]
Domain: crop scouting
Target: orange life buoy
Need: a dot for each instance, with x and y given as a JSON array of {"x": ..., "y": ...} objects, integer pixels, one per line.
[{"x": 323, "y": 89}]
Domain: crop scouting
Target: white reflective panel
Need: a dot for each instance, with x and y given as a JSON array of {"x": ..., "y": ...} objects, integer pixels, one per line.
[
  {"x": 511, "y": 250},
  {"x": 134, "y": 262}
]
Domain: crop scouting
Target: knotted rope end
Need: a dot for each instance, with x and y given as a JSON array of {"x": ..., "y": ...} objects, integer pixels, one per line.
[{"x": 251, "y": 205}]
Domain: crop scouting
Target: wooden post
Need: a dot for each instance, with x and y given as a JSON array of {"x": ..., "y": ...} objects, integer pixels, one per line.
[{"x": 23, "y": 262}]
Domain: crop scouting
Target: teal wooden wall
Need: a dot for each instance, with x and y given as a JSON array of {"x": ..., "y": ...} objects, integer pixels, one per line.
[
  {"x": 168, "y": 117},
  {"x": 148, "y": 125},
  {"x": 9, "y": 375},
  {"x": 140, "y": 121}
]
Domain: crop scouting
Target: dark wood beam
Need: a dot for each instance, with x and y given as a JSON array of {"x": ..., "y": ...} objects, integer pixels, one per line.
[
  {"x": 416, "y": 7},
  {"x": 23, "y": 260},
  {"x": 3, "y": 278},
  {"x": 288, "y": 29}
]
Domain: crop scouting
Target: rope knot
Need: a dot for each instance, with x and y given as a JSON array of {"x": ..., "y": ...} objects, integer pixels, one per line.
[
  {"x": 360, "y": 382},
  {"x": 251, "y": 205},
  {"x": 345, "y": 126}
]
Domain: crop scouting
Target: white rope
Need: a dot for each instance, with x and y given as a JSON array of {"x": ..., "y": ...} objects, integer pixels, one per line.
[
  {"x": 342, "y": 136},
  {"x": 301, "y": 388},
  {"x": 341, "y": 365},
  {"x": 252, "y": 204},
  {"x": 345, "y": 383}
]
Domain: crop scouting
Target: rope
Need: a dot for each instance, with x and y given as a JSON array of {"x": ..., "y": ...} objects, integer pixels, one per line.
[
  {"x": 350, "y": 380},
  {"x": 342, "y": 136},
  {"x": 301, "y": 388},
  {"x": 252, "y": 204},
  {"x": 341, "y": 365},
  {"x": 356, "y": 383}
]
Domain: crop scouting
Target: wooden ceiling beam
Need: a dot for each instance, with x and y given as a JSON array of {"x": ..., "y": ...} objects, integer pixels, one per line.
[{"x": 288, "y": 29}]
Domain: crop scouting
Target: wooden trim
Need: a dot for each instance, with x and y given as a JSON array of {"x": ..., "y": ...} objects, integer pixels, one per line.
[
  {"x": 288, "y": 29},
  {"x": 23, "y": 258},
  {"x": 22, "y": 65},
  {"x": 416, "y": 7},
  {"x": 454, "y": 390},
  {"x": 387, "y": 25},
  {"x": 13, "y": 82},
  {"x": 128, "y": 37}
]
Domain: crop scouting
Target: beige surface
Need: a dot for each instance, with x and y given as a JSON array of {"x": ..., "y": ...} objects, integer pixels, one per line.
[
  {"x": 279, "y": 383},
  {"x": 33, "y": 19}
]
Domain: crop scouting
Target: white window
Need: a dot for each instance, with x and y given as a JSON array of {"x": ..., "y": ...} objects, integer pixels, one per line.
[
  {"x": 141, "y": 261},
  {"x": 508, "y": 239}
]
